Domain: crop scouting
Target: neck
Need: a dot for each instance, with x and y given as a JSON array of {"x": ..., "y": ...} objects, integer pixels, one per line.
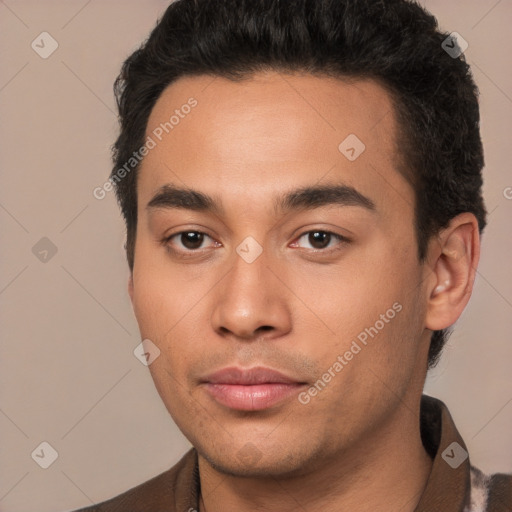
[{"x": 385, "y": 471}]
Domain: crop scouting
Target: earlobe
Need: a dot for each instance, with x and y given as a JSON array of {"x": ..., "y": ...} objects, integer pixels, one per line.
[{"x": 456, "y": 255}]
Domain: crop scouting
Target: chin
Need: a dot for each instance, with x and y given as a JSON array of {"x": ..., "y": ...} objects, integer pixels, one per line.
[{"x": 252, "y": 462}]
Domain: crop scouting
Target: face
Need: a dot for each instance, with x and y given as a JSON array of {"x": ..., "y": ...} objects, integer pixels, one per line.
[{"x": 302, "y": 259}]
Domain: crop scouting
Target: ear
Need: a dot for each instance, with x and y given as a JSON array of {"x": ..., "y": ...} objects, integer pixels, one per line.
[
  {"x": 453, "y": 258},
  {"x": 130, "y": 286}
]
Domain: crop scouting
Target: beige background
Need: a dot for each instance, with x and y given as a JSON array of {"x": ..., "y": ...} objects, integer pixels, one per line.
[{"x": 68, "y": 374}]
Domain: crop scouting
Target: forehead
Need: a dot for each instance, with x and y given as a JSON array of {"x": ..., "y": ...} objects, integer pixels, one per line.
[
  {"x": 264, "y": 104},
  {"x": 273, "y": 128}
]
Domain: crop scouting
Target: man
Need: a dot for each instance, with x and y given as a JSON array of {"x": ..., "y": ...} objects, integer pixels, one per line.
[{"x": 301, "y": 184}]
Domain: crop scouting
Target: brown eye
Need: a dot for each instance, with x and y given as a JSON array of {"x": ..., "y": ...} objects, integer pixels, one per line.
[
  {"x": 191, "y": 239},
  {"x": 185, "y": 242},
  {"x": 320, "y": 240}
]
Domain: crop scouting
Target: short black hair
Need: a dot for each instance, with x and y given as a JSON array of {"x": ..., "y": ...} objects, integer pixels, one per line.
[{"x": 395, "y": 42}]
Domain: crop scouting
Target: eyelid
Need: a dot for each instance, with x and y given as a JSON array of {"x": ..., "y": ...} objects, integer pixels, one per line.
[
  {"x": 180, "y": 252},
  {"x": 342, "y": 241}
]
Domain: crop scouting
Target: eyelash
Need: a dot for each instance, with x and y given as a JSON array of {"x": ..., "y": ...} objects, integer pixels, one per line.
[{"x": 191, "y": 252}]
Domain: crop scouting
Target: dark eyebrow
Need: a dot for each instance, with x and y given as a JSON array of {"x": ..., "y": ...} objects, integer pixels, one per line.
[
  {"x": 308, "y": 198},
  {"x": 305, "y": 198},
  {"x": 170, "y": 196}
]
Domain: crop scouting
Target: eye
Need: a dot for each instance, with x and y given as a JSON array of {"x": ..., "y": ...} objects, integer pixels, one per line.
[
  {"x": 186, "y": 241},
  {"x": 320, "y": 240}
]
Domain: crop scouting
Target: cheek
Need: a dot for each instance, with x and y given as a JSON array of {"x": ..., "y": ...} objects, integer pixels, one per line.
[
  {"x": 350, "y": 296},
  {"x": 166, "y": 310},
  {"x": 161, "y": 316},
  {"x": 375, "y": 301},
  {"x": 156, "y": 291},
  {"x": 147, "y": 306}
]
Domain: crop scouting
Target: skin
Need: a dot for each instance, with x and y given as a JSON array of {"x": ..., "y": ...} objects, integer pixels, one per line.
[{"x": 295, "y": 308}]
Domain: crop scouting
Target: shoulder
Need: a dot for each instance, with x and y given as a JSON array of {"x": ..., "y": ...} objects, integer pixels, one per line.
[{"x": 157, "y": 494}]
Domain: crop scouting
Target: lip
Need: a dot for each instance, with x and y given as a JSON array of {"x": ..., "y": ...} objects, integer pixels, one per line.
[
  {"x": 248, "y": 376},
  {"x": 251, "y": 389}
]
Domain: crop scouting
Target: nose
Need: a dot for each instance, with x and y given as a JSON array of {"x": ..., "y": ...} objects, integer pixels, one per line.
[{"x": 251, "y": 302}]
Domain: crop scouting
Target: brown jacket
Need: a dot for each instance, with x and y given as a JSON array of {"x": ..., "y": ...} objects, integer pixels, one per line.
[{"x": 453, "y": 485}]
